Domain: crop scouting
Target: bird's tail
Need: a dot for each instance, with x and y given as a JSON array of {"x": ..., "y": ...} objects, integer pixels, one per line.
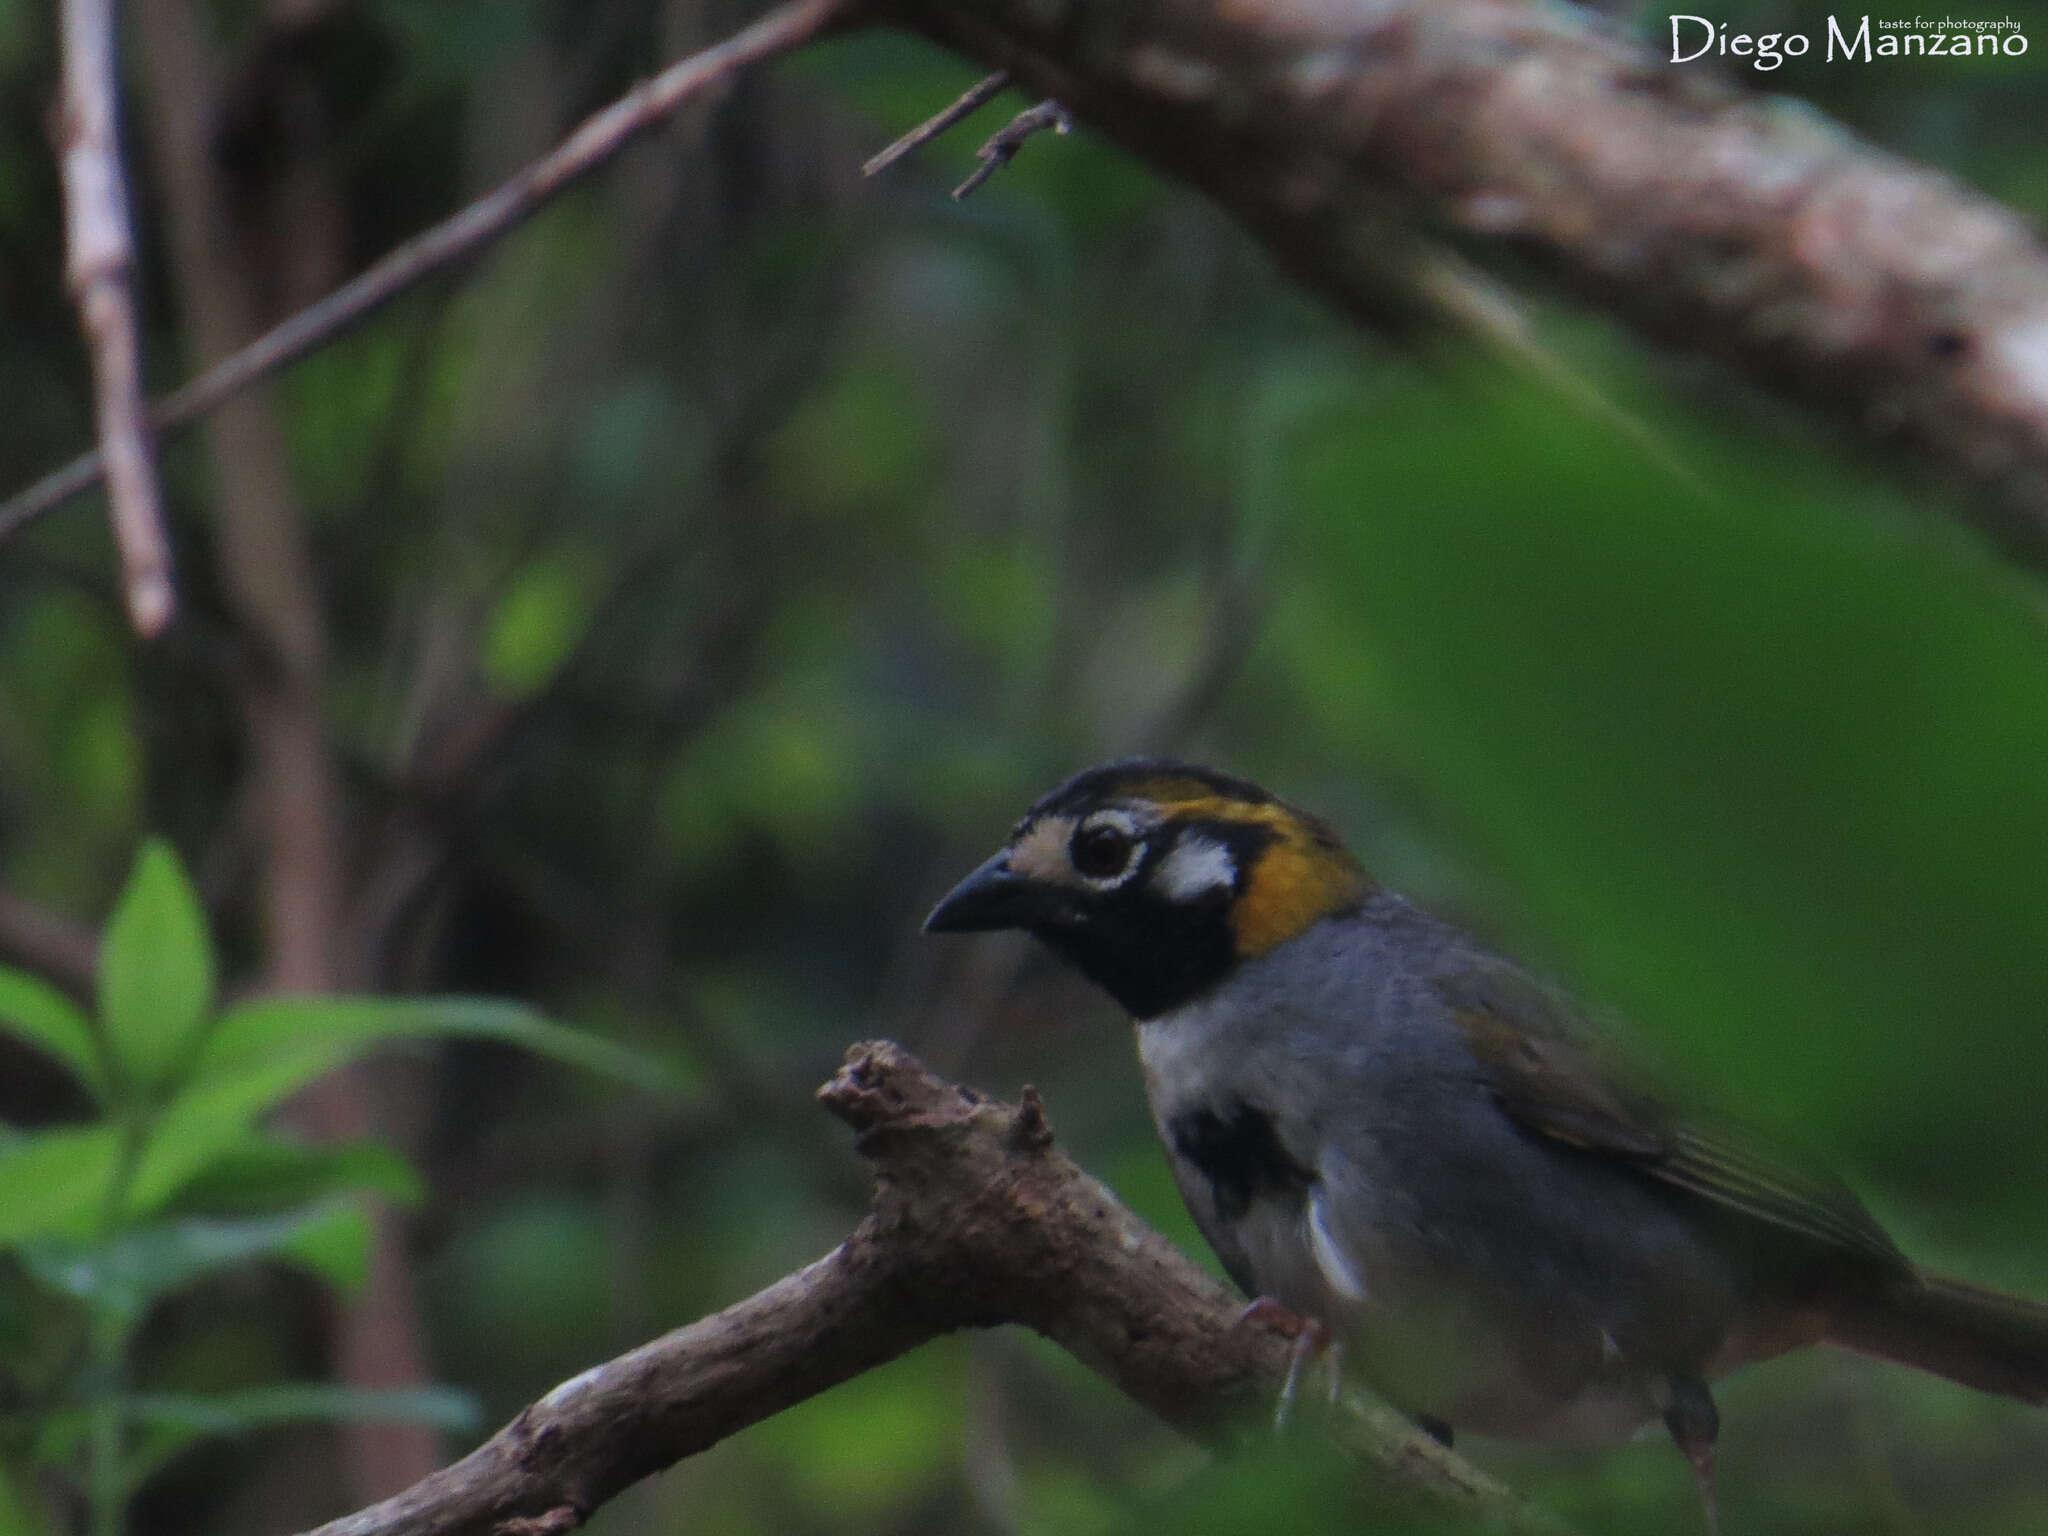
[{"x": 1981, "y": 1338}]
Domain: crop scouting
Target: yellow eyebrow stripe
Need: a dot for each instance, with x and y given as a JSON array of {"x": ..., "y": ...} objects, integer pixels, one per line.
[{"x": 1179, "y": 792}]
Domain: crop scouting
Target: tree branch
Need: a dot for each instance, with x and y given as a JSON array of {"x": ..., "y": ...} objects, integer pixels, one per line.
[
  {"x": 1003, "y": 145},
  {"x": 970, "y": 101},
  {"x": 456, "y": 239},
  {"x": 101, "y": 255},
  {"x": 977, "y": 1220},
  {"x": 1353, "y": 141},
  {"x": 268, "y": 576},
  {"x": 1353, "y": 138}
]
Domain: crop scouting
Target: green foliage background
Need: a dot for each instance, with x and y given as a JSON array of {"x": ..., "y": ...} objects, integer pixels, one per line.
[{"x": 805, "y": 528}]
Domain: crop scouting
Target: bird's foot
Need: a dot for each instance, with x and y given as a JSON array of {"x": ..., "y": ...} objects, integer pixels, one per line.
[
  {"x": 1276, "y": 1316},
  {"x": 1312, "y": 1341}
]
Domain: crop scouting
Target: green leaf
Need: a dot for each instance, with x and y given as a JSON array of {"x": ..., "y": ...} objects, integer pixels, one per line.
[
  {"x": 123, "y": 1275},
  {"x": 210, "y": 1119},
  {"x": 33, "y": 1010},
  {"x": 156, "y": 971},
  {"x": 172, "y": 1421},
  {"x": 335, "y": 1245},
  {"x": 56, "y": 1182},
  {"x": 1748, "y": 763},
  {"x": 261, "y": 1053},
  {"x": 263, "y": 1172},
  {"x": 273, "y": 1031},
  {"x": 538, "y": 623},
  {"x": 228, "y": 1413}
]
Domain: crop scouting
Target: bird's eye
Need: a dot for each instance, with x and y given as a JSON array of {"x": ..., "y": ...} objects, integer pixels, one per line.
[{"x": 1102, "y": 851}]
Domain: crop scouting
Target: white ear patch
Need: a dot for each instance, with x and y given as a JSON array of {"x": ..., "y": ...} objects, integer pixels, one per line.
[{"x": 1196, "y": 866}]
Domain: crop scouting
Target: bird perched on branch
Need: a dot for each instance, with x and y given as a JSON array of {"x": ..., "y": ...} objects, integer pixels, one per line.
[{"x": 1430, "y": 1155}]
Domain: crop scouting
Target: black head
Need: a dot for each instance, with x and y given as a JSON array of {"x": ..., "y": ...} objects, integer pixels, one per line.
[{"x": 1156, "y": 878}]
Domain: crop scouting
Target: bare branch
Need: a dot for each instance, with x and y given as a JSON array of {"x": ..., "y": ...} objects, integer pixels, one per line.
[
  {"x": 268, "y": 575},
  {"x": 99, "y": 261},
  {"x": 1738, "y": 225},
  {"x": 454, "y": 240},
  {"x": 984, "y": 90},
  {"x": 977, "y": 1220},
  {"x": 1003, "y": 145}
]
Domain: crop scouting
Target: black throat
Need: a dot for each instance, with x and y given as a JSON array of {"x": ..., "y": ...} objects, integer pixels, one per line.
[
  {"x": 1150, "y": 956},
  {"x": 1152, "y": 952}
]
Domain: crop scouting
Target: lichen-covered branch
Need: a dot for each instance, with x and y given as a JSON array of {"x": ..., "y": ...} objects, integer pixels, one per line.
[
  {"x": 100, "y": 259},
  {"x": 977, "y": 1220},
  {"x": 1351, "y": 137}
]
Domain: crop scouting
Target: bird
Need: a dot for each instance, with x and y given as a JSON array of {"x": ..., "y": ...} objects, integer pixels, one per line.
[{"x": 1406, "y": 1143}]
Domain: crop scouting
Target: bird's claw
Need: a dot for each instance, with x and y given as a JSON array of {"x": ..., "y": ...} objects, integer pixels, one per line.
[{"x": 1311, "y": 1341}]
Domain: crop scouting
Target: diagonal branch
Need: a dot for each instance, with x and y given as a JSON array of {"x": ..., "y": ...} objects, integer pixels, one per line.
[
  {"x": 977, "y": 1220},
  {"x": 101, "y": 256},
  {"x": 971, "y": 100},
  {"x": 456, "y": 239},
  {"x": 1002, "y": 147},
  {"x": 1355, "y": 140}
]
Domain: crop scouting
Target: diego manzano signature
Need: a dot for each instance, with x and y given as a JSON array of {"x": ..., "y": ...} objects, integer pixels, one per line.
[{"x": 1695, "y": 37}]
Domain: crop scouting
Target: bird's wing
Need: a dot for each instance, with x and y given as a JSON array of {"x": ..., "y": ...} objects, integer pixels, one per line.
[
  {"x": 1528, "y": 1043},
  {"x": 1199, "y": 1195}
]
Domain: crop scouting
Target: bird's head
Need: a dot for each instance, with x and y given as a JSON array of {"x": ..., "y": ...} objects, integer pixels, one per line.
[{"x": 1156, "y": 879}]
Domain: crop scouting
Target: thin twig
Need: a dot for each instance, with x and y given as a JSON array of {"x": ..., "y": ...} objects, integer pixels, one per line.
[
  {"x": 984, "y": 90},
  {"x": 600, "y": 138},
  {"x": 1000, "y": 150},
  {"x": 97, "y": 267}
]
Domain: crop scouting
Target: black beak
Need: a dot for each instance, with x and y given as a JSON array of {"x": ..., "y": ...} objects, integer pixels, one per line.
[{"x": 991, "y": 897}]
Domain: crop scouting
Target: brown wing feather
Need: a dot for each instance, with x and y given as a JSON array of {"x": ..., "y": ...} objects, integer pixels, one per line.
[{"x": 1527, "y": 1041}]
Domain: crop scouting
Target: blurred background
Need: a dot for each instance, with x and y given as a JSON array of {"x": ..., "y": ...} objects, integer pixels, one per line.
[{"x": 693, "y": 588}]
